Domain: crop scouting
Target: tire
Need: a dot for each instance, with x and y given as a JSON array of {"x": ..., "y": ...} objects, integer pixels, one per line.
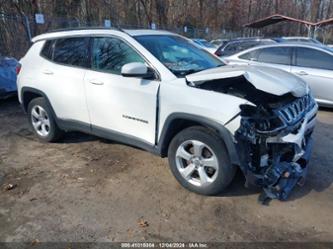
[
  {"x": 42, "y": 121},
  {"x": 197, "y": 153}
]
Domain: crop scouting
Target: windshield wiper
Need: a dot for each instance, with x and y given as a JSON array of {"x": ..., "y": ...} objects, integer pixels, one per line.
[
  {"x": 192, "y": 71},
  {"x": 185, "y": 72}
]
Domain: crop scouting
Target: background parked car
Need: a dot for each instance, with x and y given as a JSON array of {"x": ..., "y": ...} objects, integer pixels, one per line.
[
  {"x": 219, "y": 42},
  {"x": 205, "y": 44},
  {"x": 7, "y": 77},
  {"x": 297, "y": 39},
  {"x": 313, "y": 63},
  {"x": 237, "y": 45}
]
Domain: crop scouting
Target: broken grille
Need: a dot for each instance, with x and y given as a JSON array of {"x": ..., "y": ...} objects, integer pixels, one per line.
[{"x": 296, "y": 110}]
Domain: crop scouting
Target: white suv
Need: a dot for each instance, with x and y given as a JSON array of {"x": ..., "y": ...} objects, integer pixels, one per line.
[{"x": 159, "y": 91}]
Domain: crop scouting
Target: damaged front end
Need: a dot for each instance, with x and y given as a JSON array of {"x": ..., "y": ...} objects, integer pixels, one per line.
[
  {"x": 273, "y": 140},
  {"x": 274, "y": 145}
]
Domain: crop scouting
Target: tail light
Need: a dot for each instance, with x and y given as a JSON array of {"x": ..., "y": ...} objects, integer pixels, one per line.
[{"x": 18, "y": 68}]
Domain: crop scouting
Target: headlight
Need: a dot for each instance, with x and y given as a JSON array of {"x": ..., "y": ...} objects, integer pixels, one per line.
[{"x": 262, "y": 120}]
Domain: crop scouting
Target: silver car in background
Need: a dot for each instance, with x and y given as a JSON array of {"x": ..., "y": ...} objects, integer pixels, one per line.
[
  {"x": 313, "y": 63},
  {"x": 297, "y": 39}
]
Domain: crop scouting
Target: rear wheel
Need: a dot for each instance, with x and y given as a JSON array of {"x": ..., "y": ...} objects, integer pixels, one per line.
[
  {"x": 42, "y": 121},
  {"x": 200, "y": 162}
]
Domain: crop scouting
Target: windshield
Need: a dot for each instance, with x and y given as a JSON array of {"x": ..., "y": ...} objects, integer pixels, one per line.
[{"x": 178, "y": 54}]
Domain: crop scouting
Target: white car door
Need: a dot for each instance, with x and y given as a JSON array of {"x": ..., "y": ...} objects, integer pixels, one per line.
[
  {"x": 118, "y": 104},
  {"x": 61, "y": 73},
  {"x": 316, "y": 68}
]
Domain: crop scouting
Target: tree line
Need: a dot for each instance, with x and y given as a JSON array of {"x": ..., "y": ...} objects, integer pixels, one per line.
[{"x": 217, "y": 15}]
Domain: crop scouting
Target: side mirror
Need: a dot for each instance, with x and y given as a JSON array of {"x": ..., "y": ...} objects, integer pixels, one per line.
[{"x": 137, "y": 70}]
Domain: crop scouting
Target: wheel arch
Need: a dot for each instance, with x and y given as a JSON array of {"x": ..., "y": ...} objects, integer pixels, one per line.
[
  {"x": 176, "y": 122},
  {"x": 29, "y": 93}
]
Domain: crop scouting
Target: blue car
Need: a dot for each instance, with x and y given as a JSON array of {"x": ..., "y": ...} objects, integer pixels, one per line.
[{"x": 7, "y": 77}]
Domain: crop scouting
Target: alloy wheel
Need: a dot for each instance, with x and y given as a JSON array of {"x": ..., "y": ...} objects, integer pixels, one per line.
[
  {"x": 197, "y": 163},
  {"x": 40, "y": 121}
]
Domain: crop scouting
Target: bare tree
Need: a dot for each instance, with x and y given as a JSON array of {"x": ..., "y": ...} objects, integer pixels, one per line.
[{"x": 170, "y": 14}]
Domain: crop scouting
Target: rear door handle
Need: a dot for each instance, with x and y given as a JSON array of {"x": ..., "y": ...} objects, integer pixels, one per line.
[
  {"x": 47, "y": 71},
  {"x": 96, "y": 82},
  {"x": 302, "y": 73}
]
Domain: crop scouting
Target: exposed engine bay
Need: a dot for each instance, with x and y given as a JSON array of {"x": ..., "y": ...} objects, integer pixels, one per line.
[{"x": 274, "y": 137}]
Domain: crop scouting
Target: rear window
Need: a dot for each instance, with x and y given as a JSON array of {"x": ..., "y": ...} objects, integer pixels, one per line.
[
  {"x": 72, "y": 51},
  {"x": 306, "y": 57},
  {"x": 236, "y": 47}
]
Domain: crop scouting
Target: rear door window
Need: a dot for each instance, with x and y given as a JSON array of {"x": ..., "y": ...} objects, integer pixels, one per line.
[
  {"x": 275, "y": 55},
  {"x": 307, "y": 57},
  {"x": 72, "y": 51}
]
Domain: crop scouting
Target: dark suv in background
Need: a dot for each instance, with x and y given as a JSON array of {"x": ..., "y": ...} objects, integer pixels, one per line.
[{"x": 237, "y": 45}]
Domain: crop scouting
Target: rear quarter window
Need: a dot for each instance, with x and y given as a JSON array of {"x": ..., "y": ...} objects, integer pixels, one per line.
[
  {"x": 313, "y": 58},
  {"x": 47, "y": 49}
]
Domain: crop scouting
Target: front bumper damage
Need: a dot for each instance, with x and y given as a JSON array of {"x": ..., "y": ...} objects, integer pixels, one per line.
[{"x": 276, "y": 158}]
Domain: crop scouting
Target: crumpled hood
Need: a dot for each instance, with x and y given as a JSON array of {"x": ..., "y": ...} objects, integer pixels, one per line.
[{"x": 270, "y": 80}]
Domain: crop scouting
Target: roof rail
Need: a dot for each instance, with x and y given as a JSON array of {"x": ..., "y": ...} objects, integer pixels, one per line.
[
  {"x": 42, "y": 36},
  {"x": 82, "y": 28}
]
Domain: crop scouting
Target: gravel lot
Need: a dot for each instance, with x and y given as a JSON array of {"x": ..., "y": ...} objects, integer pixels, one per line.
[{"x": 89, "y": 189}]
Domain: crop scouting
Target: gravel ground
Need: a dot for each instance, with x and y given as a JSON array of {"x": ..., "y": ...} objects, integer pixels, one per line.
[{"x": 88, "y": 189}]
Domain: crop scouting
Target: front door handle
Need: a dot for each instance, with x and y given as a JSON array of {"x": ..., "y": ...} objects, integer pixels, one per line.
[
  {"x": 47, "y": 71},
  {"x": 302, "y": 73},
  {"x": 96, "y": 82}
]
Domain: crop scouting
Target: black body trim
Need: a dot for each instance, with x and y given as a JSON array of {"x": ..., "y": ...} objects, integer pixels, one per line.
[
  {"x": 157, "y": 114},
  {"x": 73, "y": 125},
  {"x": 222, "y": 131},
  {"x": 37, "y": 92},
  {"x": 123, "y": 138},
  {"x": 160, "y": 145}
]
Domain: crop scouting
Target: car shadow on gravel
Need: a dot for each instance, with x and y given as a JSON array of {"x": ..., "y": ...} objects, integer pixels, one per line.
[
  {"x": 80, "y": 137},
  {"x": 320, "y": 172},
  {"x": 237, "y": 187},
  {"x": 9, "y": 103},
  {"x": 77, "y": 137},
  {"x": 326, "y": 109},
  {"x": 320, "y": 176}
]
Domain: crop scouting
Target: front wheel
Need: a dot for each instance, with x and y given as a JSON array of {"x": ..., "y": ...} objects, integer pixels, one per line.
[{"x": 200, "y": 162}]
